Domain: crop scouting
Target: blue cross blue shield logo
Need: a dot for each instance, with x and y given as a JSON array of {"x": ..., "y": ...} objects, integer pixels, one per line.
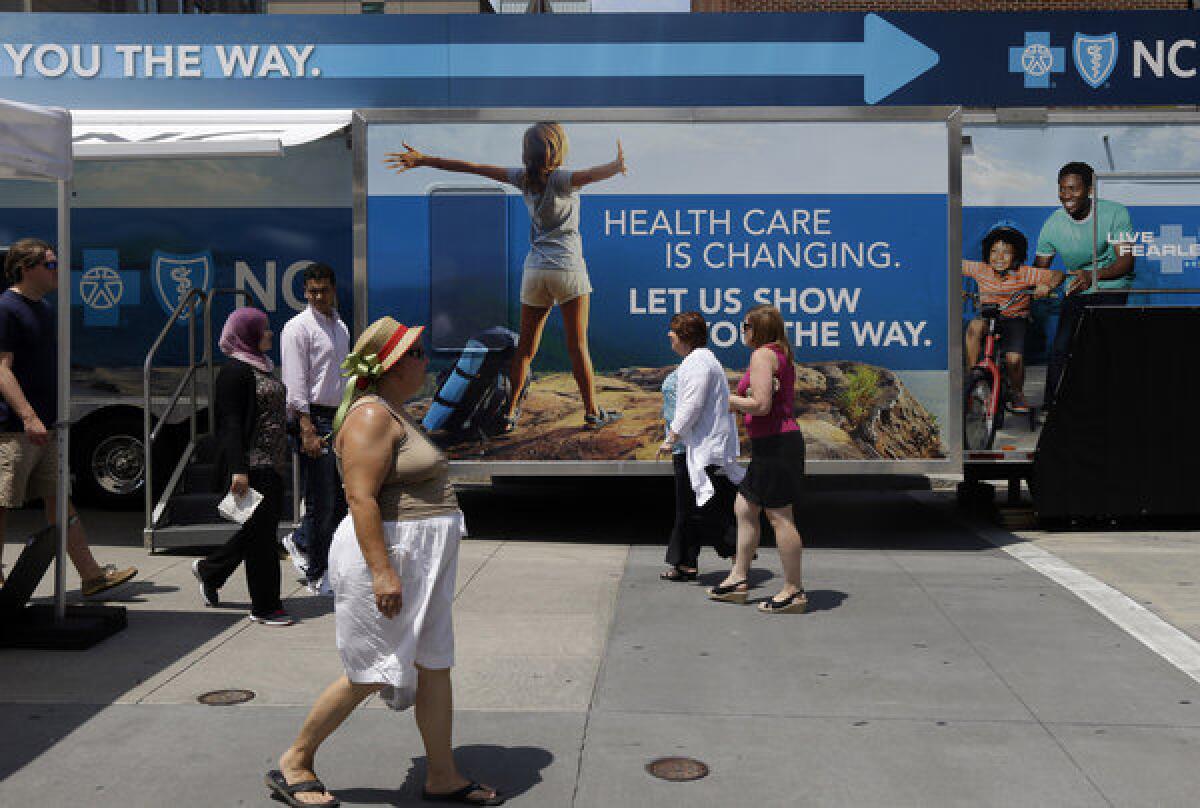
[
  {"x": 176, "y": 275},
  {"x": 1095, "y": 57},
  {"x": 103, "y": 287},
  {"x": 1037, "y": 60}
]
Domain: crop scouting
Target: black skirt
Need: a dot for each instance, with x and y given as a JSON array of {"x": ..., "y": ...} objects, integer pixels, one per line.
[{"x": 776, "y": 474}]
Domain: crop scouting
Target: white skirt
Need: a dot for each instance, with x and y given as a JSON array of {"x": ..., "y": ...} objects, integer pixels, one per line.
[{"x": 374, "y": 649}]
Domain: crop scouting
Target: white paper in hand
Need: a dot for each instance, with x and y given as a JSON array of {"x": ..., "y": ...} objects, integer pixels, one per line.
[{"x": 238, "y": 509}]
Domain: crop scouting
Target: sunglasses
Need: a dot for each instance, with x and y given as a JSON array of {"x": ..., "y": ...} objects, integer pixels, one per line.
[
  {"x": 745, "y": 326},
  {"x": 51, "y": 265},
  {"x": 415, "y": 352}
]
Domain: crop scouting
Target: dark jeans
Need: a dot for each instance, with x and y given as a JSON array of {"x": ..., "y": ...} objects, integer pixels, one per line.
[
  {"x": 324, "y": 502},
  {"x": 254, "y": 544},
  {"x": 712, "y": 524},
  {"x": 1068, "y": 321}
]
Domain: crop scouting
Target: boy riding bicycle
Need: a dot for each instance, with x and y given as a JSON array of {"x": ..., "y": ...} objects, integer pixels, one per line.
[{"x": 1001, "y": 274}]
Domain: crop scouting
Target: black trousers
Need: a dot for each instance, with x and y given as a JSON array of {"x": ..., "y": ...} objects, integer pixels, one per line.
[
  {"x": 255, "y": 545},
  {"x": 1072, "y": 310},
  {"x": 713, "y": 524}
]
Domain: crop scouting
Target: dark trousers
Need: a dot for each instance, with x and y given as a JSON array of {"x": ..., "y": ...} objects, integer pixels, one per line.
[
  {"x": 255, "y": 545},
  {"x": 1068, "y": 320},
  {"x": 713, "y": 524},
  {"x": 324, "y": 501}
]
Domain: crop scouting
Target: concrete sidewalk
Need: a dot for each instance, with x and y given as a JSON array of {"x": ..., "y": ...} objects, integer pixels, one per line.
[{"x": 933, "y": 669}]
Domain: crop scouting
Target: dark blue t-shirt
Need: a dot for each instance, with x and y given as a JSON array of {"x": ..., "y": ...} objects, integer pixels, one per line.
[{"x": 27, "y": 332}]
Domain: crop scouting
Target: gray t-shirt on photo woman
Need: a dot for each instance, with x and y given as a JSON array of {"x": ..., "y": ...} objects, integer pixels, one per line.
[{"x": 554, "y": 241}]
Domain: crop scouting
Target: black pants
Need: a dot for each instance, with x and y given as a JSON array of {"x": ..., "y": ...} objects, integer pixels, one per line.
[
  {"x": 1072, "y": 310},
  {"x": 254, "y": 544},
  {"x": 712, "y": 524}
]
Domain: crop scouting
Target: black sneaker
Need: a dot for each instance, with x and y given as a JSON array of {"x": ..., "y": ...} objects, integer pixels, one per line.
[
  {"x": 276, "y": 618},
  {"x": 207, "y": 590}
]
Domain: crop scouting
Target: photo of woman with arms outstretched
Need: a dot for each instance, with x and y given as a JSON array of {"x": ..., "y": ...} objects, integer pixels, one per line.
[{"x": 554, "y": 271}]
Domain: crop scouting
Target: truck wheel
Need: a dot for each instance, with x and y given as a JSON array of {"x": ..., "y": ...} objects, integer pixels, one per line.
[{"x": 108, "y": 460}]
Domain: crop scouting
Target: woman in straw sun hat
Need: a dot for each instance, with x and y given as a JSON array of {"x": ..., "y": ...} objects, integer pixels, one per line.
[{"x": 392, "y": 567}]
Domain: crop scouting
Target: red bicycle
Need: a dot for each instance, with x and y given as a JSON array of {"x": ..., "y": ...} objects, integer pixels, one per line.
[{"x": 987, "y": 384}]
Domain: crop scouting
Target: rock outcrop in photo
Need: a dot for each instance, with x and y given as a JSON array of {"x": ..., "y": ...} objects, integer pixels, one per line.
[{"x": 847, "y": 411}]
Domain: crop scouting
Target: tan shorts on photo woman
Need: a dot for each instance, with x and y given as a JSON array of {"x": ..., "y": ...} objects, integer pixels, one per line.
[
  {"x": 548, "y": 287},
  {"x": 26, "y": 471}
]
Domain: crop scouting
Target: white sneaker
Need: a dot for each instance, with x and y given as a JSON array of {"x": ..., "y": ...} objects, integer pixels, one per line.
[
  {"x": 319, "y": 588},
  {"x": 299, "y": 559}
]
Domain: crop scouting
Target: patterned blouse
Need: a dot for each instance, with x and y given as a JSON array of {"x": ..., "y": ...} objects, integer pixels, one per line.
[{"x": 269, "y": 448}]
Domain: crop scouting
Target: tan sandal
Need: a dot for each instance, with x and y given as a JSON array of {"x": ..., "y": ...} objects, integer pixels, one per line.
[
  {"x": 112, "y": 577},
  {"x": 794, "y": 603},
  {"x": 730, "y": 592}
]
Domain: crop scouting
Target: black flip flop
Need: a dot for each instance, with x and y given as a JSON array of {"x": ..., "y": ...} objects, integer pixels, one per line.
[
  {"x": 463, "y": 796},
  {"x": 679, "y": 575},
  {"x": 281, "y": 790}
]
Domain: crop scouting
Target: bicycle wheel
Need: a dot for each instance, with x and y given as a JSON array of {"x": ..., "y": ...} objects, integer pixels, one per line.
[{"x": 979, "y": 425}]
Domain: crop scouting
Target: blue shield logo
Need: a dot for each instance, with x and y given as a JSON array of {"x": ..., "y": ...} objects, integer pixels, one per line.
[
  {"x": 1095, "y": 57},
  {"x": 176, "y": 275}
]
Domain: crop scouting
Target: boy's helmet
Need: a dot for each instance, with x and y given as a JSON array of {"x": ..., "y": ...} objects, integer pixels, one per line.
[{"x": 1009, "y": 232}]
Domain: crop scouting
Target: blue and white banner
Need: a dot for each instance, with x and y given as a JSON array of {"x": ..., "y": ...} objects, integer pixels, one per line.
[
  {"x": 126, "y": 252},
  {"x": 838, "y": 59},
  {"x": 819, "y": 220}
]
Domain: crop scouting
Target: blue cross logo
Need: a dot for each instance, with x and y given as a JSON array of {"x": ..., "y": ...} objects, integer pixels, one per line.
[
  {"x": 1181, "y": 252},
  {"x": 102, "y": 288},
  {"x": 1037, "y": 60}
]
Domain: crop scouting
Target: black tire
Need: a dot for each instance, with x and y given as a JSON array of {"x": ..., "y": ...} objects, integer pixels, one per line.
[
  {"x": 979, "y": 430},
  {"x": 108, "y": 460}
]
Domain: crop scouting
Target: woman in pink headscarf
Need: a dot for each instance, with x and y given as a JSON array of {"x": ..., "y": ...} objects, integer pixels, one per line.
[{"x": 249, "y": 406}]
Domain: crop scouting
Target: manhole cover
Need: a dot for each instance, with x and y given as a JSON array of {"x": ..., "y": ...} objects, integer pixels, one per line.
[
  {"x": 221, "y": 698},
  {"x": 677, "y": 769}
]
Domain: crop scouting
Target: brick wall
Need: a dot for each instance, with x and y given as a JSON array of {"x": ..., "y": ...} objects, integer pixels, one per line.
[{"x": 935, "y": 5}]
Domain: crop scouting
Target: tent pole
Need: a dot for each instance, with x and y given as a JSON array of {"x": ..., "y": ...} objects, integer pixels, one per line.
[{"x": 64, "y": 394}]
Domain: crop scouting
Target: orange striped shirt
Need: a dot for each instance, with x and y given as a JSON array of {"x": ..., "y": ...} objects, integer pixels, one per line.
[{"x": 997, "y": 288}]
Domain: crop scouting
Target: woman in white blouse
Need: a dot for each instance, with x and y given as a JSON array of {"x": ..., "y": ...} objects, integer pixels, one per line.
[{"x": 705, "y": 427}]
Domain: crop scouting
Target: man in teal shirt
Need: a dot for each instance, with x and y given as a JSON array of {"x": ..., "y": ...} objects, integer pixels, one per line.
[{"x": 1069, "y": 233}]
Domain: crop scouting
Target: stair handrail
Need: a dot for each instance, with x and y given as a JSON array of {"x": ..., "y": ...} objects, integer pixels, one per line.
[{"x": 150, "y": 433}]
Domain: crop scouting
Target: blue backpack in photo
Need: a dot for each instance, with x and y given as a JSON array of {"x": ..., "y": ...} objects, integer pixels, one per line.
[{"x": 473, "y": 395}]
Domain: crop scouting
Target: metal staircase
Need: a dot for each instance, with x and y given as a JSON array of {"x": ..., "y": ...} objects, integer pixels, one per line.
[{"x": 184, "y": 512}]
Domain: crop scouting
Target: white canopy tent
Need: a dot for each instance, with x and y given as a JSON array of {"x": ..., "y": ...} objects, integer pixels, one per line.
[
  {"x": 113, "y": 134},
  {"x": 35, "y": 144}
]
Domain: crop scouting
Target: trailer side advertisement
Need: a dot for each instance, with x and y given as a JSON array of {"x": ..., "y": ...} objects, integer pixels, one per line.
[{"x": 817, "y": 218}]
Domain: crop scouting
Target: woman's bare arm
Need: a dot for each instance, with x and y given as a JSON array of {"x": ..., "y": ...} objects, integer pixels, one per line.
[
  {"x": 586, "y": 176},
  {"x": 365, "y": 444},
  {"x": 763, "y": 363},
  {"x": 411, "y": 158}
]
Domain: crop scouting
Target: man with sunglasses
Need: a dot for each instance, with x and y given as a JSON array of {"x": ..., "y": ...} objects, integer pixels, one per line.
[
  {"x": 313, "y": 345},
  {"x": 29, "y": 403}
]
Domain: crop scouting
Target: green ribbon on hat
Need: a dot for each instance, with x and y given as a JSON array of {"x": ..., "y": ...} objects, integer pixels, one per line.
[{"x": 362, "y": 371}]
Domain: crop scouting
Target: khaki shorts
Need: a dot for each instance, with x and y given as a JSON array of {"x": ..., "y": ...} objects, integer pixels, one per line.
[
  {"x": 26, "y": 471},
  {"x": 546, "y": 287}
]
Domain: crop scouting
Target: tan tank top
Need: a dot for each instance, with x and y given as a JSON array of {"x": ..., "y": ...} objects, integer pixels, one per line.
[{"x": 418, "y": 486}]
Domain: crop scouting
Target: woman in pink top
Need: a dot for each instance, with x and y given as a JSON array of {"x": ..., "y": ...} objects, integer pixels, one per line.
[{"x": 765, "y": 395}]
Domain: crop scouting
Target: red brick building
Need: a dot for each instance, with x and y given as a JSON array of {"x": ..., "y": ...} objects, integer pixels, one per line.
[{"x": 938, "y": 5}]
